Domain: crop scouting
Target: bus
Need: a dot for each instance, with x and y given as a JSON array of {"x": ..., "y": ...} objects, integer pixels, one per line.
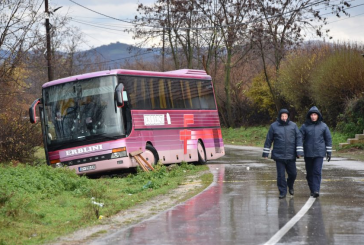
[{"x": 92, "y": 122}]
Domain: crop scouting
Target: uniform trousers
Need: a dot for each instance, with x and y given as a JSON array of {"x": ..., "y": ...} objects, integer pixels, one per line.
[
  {"x": 313, "y": 172},
  {"x": 284, "y": 166}
]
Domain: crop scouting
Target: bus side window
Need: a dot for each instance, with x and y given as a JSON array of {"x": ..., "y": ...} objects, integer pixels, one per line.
[
  {"x": 169, "y": 95},
  {"x": 164, "y": 95},
  {"x": 186, "y": 93},
  {"x": 194, "y": 95},
  {"x": 206, "y": 95},
  {"x": 139, "y": 94},
  {"x": 153, "y": 86},
  {"x": 177, "y": 94}
]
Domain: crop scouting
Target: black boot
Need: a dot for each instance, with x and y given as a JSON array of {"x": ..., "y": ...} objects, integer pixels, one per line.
[
  {"x": 316, "y": 194},
  {"x": 291, "y": 191}
]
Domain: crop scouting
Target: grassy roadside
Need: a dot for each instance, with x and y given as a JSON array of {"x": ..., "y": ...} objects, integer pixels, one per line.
[
  {"x": 255, "y": 136},
  {"x": 355, "y": 152},
  {"x": 252, "y": 136},
  {"x": 39, "y": 204}
]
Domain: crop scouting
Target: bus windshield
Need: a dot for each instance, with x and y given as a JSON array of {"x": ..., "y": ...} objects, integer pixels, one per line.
[{"x": 82, "y": 111}]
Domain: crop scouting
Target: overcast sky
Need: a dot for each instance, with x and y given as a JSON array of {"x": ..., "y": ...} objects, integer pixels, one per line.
[{"x": 100, "y": 30}]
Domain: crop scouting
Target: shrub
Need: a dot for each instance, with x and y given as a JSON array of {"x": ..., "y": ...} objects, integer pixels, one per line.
[
  {"x": 296, "y": 75},
  {"x": 337, "y": 79},
  {"x": 260, "y": 94},
  {"x": 43, "y": 180},
  {"x": 352, "y": 120},
  {"x": 18, "y": 137}
]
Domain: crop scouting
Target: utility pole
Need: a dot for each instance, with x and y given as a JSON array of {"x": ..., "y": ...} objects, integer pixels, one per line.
[{"x": 48, "y": 36}]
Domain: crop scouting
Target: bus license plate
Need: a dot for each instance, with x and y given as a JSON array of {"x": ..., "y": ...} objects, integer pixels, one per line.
[{"x": 87, "y": 168}]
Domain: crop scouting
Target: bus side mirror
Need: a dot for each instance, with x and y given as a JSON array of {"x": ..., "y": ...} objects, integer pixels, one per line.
[
  {"x": 119, "y": 95},
  {"x": 32, "y": 116}
]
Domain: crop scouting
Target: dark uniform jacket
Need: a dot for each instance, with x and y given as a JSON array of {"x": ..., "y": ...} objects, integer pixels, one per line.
[
  {"x": 317, "y": 141},
  {"x": 286, "y": 139}
]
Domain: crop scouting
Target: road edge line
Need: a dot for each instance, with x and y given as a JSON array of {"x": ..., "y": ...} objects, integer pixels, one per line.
[{"x": 278, "y": 236}]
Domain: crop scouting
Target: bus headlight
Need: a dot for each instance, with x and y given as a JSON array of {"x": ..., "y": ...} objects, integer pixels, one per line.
[
  {"x": 56, "y": 163},
  {"x": 59, "y": 165},
  {"x": 118, "y": 152}
]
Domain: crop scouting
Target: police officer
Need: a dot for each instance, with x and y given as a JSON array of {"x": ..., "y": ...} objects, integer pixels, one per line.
[
  {"x": 287, "y": 145},
  {"x": 317, "y": 144}
]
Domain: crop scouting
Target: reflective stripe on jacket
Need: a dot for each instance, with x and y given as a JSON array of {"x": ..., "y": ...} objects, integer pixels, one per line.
[
  {"x": 286, "y": 139},
  {"x": 316, "y": 136}
]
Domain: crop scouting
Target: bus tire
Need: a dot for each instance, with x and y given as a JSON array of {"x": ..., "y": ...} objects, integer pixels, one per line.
[
  {"x": 201, "y": 153},
  {"x": 151, "y": 154}
]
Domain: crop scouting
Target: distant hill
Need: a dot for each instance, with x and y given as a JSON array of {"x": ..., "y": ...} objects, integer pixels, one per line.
[{"x": 121, "y": 51}]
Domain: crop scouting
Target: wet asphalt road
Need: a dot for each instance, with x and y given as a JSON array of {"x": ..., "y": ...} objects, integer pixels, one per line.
[{"x": 242, "y": 207}]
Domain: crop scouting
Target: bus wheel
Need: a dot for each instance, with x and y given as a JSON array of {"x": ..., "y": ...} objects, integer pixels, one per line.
[
  {"x": 151, "y": 154},
  {"x": 201, "y": 153}
]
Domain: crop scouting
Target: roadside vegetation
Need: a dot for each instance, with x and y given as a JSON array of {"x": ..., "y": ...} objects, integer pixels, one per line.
[
  {"x": 40, "y": 203},
  {"x": 252, "y": 136},
  {"x": 255, "y": 136},
  {"x": 354, "y": 151}
]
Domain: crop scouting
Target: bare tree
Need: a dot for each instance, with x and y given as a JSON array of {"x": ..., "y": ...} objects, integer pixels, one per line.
[
  {"x": 282, "y": 24},
  {"x": 233, "y": 18},
  {"x": 19, "y": 25},
  {"x": 179, "y": 28},
  {"x": 67, "y": 57},
  {"x": 18, "y": 31},
  {"x": 198, "y": 31}
]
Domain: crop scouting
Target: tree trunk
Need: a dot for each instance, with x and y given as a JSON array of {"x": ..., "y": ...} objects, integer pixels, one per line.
[
  {"x": 189, "y": 50},
  {"x": 173, "y": 49},
  {"x": 227, "y": 87},
  {"x": 267, "y": 79}
]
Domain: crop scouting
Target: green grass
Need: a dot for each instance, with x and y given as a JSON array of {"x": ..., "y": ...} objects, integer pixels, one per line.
[
  {"x": 252, "y": 136},
  {"x": 39, "y": 153},
  {"x": 40, "y": 203},
  {"x": 255, "y": 136},
  {"x": 354, "y": 151},
  {"x": 338, "y": 138}
]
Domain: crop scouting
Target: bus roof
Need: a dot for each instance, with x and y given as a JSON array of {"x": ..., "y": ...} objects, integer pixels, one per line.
[{"x": 182, "y": 73}]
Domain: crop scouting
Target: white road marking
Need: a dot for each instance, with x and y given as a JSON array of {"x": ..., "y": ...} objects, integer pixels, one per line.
[{"x": 291, "y": 223}]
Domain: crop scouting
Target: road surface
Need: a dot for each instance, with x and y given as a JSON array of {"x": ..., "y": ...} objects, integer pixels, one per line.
[{"x": 242, "y": 207}]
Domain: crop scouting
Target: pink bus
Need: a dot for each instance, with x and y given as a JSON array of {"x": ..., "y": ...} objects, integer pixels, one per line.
[{"x": 91, "y": 122}]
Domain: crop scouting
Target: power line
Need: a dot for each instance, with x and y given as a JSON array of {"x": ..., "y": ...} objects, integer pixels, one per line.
[
  {"x": 348, "y": 17},
  {"x": 197, "y": 28},
  {"x": 101, "y": 13},
  {"x": 345, "y": 18},
  {"x": 124, "y": 28},
  {"x": 94, "y": 25},
  {"x": 108, "y": 24}
]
